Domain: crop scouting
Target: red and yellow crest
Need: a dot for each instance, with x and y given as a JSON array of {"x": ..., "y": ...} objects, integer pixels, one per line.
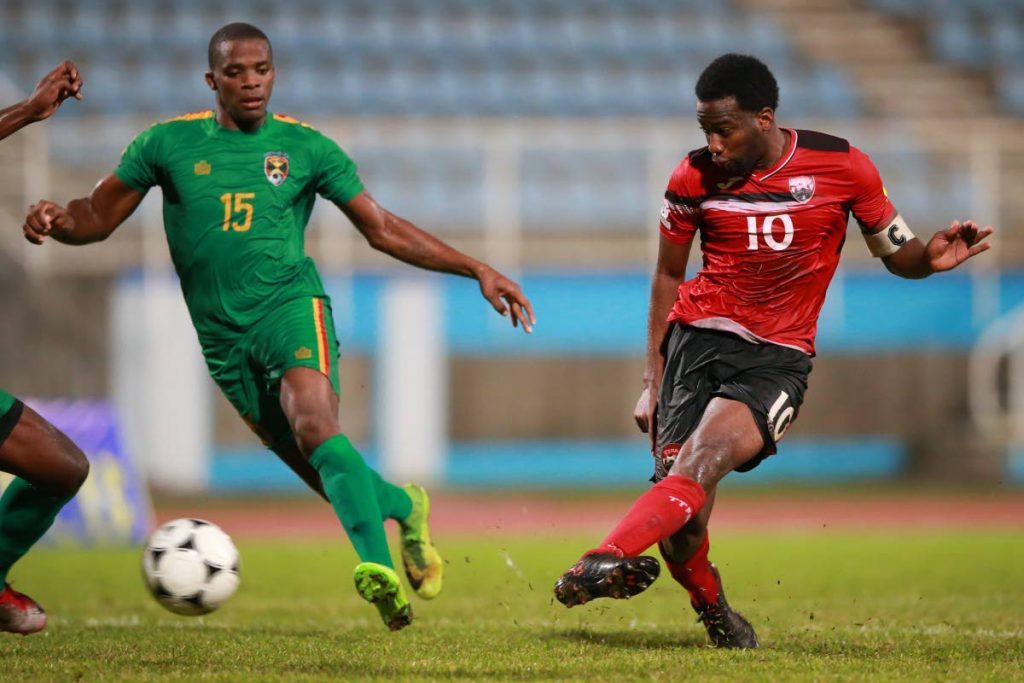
[{"x": 275, "y": 166}]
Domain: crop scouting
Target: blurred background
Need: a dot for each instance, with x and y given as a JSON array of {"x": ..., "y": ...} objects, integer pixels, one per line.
[{"x": 537, "y": 135}]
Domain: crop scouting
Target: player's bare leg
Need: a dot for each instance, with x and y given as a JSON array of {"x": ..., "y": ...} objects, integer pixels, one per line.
[
  {"x": 290, "y": 455},
  {"x": 726, "y": 438},
  {"x": 49, "y": 469}
]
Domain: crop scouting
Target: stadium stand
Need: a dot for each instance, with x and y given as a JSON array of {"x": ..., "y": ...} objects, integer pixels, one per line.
[
  {"x": 984, "y": 36},
  {"x": 440, "y": 57},
  {"x": 419, "y": 61},
  {"x": 556, "y": 119}
]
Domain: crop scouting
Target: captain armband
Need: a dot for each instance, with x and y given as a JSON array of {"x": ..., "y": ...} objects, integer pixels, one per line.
[{"x": 888, "y": 240}]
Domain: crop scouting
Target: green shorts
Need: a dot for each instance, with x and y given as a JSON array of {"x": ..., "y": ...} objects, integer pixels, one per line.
[
  {"x": 10, "y": 412},
  {"x": 299, "y": 333}
]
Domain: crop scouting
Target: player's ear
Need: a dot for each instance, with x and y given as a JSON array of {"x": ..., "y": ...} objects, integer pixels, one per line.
[
  {"x": 209, "y": 80},
  {"x": 766, "y": 119}
]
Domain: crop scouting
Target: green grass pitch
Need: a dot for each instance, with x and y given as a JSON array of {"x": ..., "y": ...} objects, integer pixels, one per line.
[{"x": 827, "y": 606}]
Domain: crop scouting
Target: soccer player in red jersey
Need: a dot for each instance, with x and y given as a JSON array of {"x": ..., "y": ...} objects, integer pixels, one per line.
[
  {"x": 729, "y": 350},
  {"x": 48, "y": 467}
]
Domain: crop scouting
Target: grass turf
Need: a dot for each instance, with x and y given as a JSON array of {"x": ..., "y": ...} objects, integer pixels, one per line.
[{"x": 827, "y": 606}]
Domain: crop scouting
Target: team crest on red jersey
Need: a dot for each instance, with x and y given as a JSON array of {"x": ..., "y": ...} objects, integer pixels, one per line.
[
  {"x": 802, "y": 187},
  {"x": 275, "y": 166}
]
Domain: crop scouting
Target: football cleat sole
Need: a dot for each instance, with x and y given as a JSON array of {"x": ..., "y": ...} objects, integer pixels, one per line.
[
  {"x": 380, "y": 586},
  {"x": 606, "y": 575}
]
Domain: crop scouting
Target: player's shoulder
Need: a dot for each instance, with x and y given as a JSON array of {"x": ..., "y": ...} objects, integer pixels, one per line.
[
  {"x": 289, "y": 125},
  {"x": 693, "y": 165},
  {"x": 192, "y": 120},
  {"x": 290, "y": 128},
  {"x": 821, "y": 142},
  {"x": 180, "y": 123},
  {"x": 292, "y": 121},
  {"x": 824, "y": 146},
  {"x": 191, "y": 116}
]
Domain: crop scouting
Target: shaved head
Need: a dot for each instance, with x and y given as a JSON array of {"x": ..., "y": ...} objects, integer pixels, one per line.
[{"x": 237, "y": 31}]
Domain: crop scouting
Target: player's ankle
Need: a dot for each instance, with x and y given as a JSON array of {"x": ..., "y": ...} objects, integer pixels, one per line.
[{"x": 606, "y": 548}]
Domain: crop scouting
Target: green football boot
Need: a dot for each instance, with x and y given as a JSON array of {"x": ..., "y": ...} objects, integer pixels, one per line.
[
  {"x": 423, "y": 564},
  {"x": 381, "y": 586}
]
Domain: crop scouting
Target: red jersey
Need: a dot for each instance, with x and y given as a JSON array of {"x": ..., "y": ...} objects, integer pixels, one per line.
[{"x": 771, "y": 240}]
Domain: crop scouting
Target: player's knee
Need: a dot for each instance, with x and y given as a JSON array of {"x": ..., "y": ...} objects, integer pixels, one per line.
[
  {"x": 706, "y": 462},
  {"x": 682, "y": 545},
  {"x": 65, "y": 481},
  {"x": 77, "y": 471},
  {"x": 312, "y": 429}
]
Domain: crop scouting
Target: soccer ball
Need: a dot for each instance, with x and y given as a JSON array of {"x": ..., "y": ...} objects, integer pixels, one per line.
[{"x": 190, "y": 566}]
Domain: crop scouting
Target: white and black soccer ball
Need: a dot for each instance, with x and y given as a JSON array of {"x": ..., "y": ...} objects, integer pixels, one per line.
[{"x": 190, "y": 566}]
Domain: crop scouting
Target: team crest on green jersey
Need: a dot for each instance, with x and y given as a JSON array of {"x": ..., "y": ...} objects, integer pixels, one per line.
[{"x": 275, "y": 166}]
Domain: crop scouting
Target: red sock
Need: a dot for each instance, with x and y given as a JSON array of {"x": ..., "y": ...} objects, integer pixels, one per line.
[
  {"x": 695, "y": 575},
  {"x": 657, "y": 514}
]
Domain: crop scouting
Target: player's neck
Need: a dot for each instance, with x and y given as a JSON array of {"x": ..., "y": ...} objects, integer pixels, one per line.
[
  {"x": 778, "y": 141},
  {"x": 225, "y": 121}
]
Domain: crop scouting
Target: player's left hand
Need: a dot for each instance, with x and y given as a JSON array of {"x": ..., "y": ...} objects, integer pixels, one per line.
[
  {"x": 506, "y": 296},
  {"x": 948, "y": 248},
  {"x": 63, "y": 82}
]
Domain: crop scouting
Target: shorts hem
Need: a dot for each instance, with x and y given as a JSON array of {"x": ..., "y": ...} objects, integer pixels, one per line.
[
  {"x": 769, "y": 448},
  {"x": 276, "y": 378}
]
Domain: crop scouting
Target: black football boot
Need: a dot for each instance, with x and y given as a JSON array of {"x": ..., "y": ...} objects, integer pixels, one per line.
[
  {"x": 606, "y": 575},
  {"x": 727, "y": 627}
]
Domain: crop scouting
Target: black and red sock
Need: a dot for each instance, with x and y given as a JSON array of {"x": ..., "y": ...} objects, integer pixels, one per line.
[{"x": 696, "y": 575}]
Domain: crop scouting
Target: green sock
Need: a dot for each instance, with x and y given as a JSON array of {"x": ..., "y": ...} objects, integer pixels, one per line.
[
  {"x": 394, "y": 502},
  {"x": 356, "y": 493},
  {"x": 25, "y": 515}
]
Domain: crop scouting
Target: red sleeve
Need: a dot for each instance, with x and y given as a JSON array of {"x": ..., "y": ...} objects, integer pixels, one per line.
[
  {"x": 869, "y": 201},
  {"x": 680, "y": 214}
]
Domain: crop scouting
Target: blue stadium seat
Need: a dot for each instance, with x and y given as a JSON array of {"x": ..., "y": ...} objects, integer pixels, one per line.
[
  {"x": 1011, "y": 90},
  {"x": 957, "y": 38},
  {"x": 436, "y": 57}
]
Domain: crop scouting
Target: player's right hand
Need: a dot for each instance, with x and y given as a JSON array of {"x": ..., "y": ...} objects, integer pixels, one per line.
[
  {"x": 43, "y": 218},
  {"x": 55, "y": 87},
  {"x": 646, "y": 412}
]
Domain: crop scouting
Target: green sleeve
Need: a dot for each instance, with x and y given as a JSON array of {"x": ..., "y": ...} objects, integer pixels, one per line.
[
  {"x": 138, "y": 168},
  {"x": 337, "y": 179}
]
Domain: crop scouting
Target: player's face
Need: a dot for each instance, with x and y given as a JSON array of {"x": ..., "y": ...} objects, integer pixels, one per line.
[
  {"x": 737, "y": 139},
  {"x": 243, "y": 77}
]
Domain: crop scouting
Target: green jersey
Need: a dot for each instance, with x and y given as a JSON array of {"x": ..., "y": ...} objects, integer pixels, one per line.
[{"x": 235, "y": 209}]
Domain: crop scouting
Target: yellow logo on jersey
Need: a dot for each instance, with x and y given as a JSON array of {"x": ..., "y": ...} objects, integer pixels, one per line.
[
  {"x": 303, "y": 353},
  {"x": 203, "y": 168},
  {"x": 275, "y": 166}
]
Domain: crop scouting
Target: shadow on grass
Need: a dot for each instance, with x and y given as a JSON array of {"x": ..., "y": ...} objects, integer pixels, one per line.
[{"x": 633, "y": 640}]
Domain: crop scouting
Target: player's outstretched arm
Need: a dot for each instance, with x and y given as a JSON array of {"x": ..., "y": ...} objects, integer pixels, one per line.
[
  {"x": 669, "y": 273},
  {"x": 86, "y": 220},
  {"x": 55, "y": 87},
  {"x": 946, "y": 250},
  {"x": 401, "y": 239}
]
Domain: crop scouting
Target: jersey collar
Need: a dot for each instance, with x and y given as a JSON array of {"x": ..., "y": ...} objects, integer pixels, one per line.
[
  {"x": 240, "y": 133},
  {"x": 784, "y": 159}
]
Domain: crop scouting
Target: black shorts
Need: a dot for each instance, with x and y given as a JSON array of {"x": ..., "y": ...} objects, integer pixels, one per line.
[{"x": 701, "y": 364}]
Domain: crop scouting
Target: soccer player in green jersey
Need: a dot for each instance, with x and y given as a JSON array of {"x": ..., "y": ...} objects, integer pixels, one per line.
[
  {"x": 238, "y": 187},
  {"x": 48, "y": 467}
]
